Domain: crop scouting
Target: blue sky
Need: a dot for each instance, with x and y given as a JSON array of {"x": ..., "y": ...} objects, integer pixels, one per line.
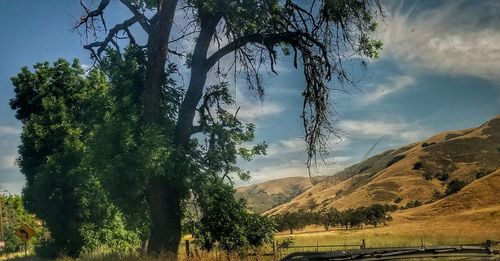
[{"x": 438, "y": 71}]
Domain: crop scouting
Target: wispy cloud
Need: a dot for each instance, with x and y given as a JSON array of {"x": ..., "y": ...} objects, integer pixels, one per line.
[
  {"x": 380, "y": 91},
  {"x": 251, "y": 109},
  {"x": 399, "y": 130},
  {"x": 9, "y": 130},
  {"x": 295, "y": 168},
  {"x": 8, "y": 161},
  {"x": 453, "y": 38},
  {"x": 287, "y": 146}
]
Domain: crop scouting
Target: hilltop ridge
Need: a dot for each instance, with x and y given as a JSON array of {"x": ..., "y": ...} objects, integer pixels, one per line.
[{"x": 420, "y": 172}]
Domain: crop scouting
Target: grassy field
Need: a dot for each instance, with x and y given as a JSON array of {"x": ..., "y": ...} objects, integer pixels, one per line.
[{"x": 386, "y": 236}]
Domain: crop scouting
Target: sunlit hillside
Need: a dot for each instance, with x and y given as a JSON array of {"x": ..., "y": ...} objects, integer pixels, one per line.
[
  {"x": 266, "y": 195},
  {"x": 425, "y": 172}
]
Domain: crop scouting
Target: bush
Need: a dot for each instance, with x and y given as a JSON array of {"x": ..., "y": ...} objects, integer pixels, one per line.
[
  {"x": 417, "y": 166},
  {"x": 436, "y": 195},
  {"x": 481, "y": 174},
  {"x": 412, "y": 204},
  {"x": 455, "y": 186},
  {"x": 394, "y": 160},
  {"x": 428, "y": 175},
  {"x": 427, "y": 144},
  {"x": 398, "y": 200},
  {"x": 443, "y": 176}
]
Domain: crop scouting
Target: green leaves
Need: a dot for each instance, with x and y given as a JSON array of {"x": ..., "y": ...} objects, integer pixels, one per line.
[
  {"x": 59, "y": 106},
  {"x": 226, "y": 222}
]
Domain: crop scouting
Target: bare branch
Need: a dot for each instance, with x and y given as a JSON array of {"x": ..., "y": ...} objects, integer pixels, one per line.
[
  {"x": 91, "y": 14},
  {"x": 143, "y": 21},
  {"x": 101, "y": 46}
]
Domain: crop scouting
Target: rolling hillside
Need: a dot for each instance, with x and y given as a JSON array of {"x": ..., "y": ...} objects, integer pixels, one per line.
[
  {"x": 266, "y": 195},
  {"x": 419, "y": 172}
]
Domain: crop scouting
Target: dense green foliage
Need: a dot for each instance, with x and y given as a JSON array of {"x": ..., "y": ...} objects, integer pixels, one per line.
[
  {"x": 59, "y": 105},
  {"x": 455, "y": 186},
  {"x": 116, "y": 154},
  {"x": 293, "y": 220},
  {"x": 330, "y": 217},
  {"x": 82, "y": 133},
  {"x": 13, "y": 217},
  {"x": 226, "y": 222}
]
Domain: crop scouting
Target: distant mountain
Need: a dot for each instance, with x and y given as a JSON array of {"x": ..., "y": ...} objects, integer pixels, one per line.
[
  {"x": 266, "y": 195},
  {"x": 423, "y": 172}
]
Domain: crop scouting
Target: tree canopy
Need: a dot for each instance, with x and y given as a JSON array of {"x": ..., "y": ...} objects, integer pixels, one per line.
[{"x": 127, "y": 137}]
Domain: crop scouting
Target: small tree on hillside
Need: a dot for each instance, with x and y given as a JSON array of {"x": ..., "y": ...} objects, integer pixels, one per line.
[
  {"x": 329, "y": 217},
  {"x": 290, "y": 221},
  {"x": 455, "y": 186},
  {"x": 346, "y": 217},
  {"x": 376, "y": 214}
]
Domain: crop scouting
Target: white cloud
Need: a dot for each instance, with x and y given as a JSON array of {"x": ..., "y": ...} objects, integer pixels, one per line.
[
  {"x": 404, "y": 131},
  {"x": 293, "y": 169},
  {"x": 9, "y": 130},
  {"x": 8, "y": 161},
  {"x": 452, "y": 38},
  {"x": 394, "y": 84},
  {"x": 255, "y": 109},
  {"x": 287, "y": 146}
]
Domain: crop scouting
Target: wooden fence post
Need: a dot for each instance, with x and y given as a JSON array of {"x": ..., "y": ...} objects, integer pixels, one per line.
[
  {"x": 188, "y": 253},
  {"x": 363, "y": 244}
]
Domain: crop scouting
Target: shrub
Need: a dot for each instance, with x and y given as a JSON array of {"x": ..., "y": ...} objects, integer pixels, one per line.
[
  {"x": 417, "y": 166},
  {"x": 394, "y": 160},
  {"x": 443, "y": 176},
  {"x": 455, "y": 186},
  {"x": 481, "y": 174},
  {"x": 412, "y": 204},
  {"x": 427, "y": 144},
  {"x": 364, "y": 168},
  {"x": 436, "y": 195},
  {"x": 428, "y": 175},
  {"x": 398, "y": 200}
]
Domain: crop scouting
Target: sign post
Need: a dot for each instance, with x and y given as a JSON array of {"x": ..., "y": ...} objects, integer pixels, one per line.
[{"x": 25, "y": 233}]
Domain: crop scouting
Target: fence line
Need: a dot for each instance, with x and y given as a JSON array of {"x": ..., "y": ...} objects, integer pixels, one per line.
[{"x": 277, "y": 251}]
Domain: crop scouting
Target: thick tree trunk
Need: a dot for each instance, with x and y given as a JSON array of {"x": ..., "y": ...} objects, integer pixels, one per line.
[
  {"x": 165, "y": 194},
  {"x": 199, "y": 70},
  {"x": 157, "y": 56},
  {"x": 164, "y": 198}
]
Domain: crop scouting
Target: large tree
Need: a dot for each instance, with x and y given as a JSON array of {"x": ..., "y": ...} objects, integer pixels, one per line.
[
  {"x": 59, "y": 105},
  {"x": 318, "y": 35}
]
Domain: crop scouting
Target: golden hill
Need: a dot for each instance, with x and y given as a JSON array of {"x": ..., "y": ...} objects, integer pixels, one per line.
[
  {"x": 418, "y": 172},
  {"x": 266, "y": 195}
]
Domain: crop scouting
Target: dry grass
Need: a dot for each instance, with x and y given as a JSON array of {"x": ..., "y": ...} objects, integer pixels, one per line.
[
  {"x": 265, "y": 195},
  {"x": 460, "y": 154}
]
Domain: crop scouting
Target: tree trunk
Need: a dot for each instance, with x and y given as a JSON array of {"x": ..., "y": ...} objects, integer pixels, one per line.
[
  {"x": 198, "y": 78},
  {"x": 164, "y": 194},
  {"x": 157, "y": 56},
  {"x": 164, "y": 198}
]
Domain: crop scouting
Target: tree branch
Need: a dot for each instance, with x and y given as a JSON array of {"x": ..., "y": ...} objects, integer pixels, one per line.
[
  {"x": 143, "y": 21},
  {"x": 101, "y": 46},
  {"x": 296, "y": 39},
  {"x": 91, "y": 14}
]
